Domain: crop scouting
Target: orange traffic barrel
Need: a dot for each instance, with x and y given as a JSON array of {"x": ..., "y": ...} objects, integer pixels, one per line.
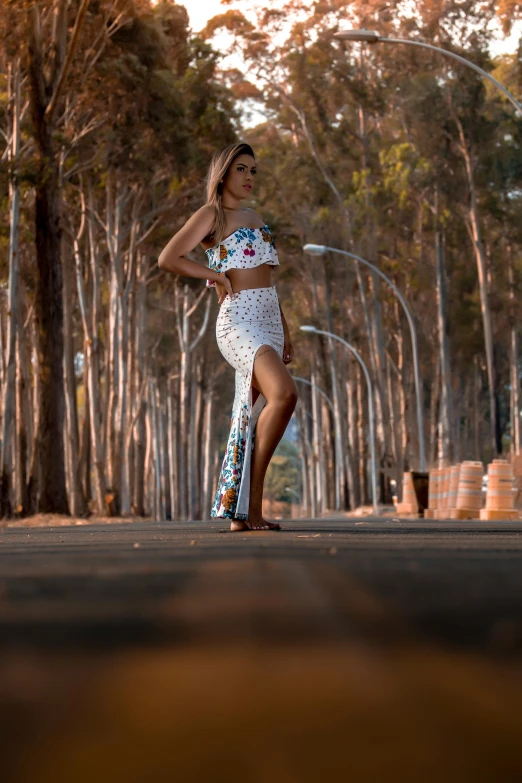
[
  {"x": 469, "y": 493},
  {"x": 408, "y": 491},
  {"x": 444, "y": 487},
  {"x": 500, "y": 485},
  {"x": 453, "y": 486}
]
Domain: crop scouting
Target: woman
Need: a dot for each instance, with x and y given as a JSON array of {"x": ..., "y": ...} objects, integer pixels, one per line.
[{"x": 251, "y": 330}]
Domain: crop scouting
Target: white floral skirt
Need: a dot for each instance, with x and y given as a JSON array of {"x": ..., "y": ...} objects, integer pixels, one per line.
[{"x": 246, "y": 321}]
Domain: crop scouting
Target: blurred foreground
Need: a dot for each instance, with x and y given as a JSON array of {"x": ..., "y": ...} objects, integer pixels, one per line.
[{"x": 357, "y": 650}]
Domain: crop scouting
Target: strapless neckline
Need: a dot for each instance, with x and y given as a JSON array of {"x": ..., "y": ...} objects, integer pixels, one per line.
[{"x": 240, "y": 228}]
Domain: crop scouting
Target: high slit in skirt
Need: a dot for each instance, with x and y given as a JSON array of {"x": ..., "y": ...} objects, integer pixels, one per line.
[{"x": 247, "y": 320}]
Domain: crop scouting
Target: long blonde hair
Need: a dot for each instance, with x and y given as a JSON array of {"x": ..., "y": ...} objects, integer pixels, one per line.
[{"x": 219, "y": 165}]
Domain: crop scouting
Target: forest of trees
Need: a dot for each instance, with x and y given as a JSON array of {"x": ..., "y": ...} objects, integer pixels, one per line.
[{"x": 115, "y": 398}]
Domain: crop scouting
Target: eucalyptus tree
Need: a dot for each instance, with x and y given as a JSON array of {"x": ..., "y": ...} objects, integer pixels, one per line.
[
  {"x": 113, "y": 85},
  {"x": 351, "y": 116}
]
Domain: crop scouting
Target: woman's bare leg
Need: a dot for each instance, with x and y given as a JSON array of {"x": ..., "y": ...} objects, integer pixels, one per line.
[{"x": 273, "y": 380}]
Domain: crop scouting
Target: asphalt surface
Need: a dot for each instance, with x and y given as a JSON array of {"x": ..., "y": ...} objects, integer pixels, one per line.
[
  {"x": 372, "y": 649},
  {"x": 113, "y": 585}
]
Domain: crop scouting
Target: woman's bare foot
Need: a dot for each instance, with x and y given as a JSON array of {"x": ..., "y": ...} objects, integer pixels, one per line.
[
  {"x": 236, "y": 526},
  {"x": 263, "y": 524}
]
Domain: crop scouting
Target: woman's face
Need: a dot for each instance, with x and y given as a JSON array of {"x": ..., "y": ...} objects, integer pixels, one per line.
[{"x": 239, "y": 179}]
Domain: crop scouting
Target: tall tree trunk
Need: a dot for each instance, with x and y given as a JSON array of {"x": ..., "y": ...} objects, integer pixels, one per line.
[
  {"x": 115, "y": 202},
  {"x": 48, "y": 294},
  {"x": 195, "y": 441},
  {"x": 339, "y": 467},
  {"x": 172, "y": 429},
  {"x": 310, "y": 459},
  {"x": 477, "y": 410},
  {"x": 393, "y": 424},
  {"x": 85, "y": 460},
  {"x": 140, "y": 447},
  {"x": 34, "y": 460},
  {"x": 305, "y": 460},
  {"x": 71, "y": 433},
  {"x": 353, "y": 443},
  {"x": 184, "y": 419},
  {"x": 155, "y": 453},
  {"x": 317, "y": 442},
  {"x": 207, "y": 472},
  {"x": 328, "y": 447},
  {"x": 126, "y": 284},
  {"x": 140, "y": 374},
  {"x": 21, "y": 498},
  {"x": 149, "y": 491},
  {"x": 398, "y": 406},
  {"x": 183, "y": 315},
  {"x": 473, "y": 225},
  {"x": 513, "y": 362},
  {"x": 399, "y": 340},
  {"x": 375, "y": 330},
  {"x": 445, "y": 454},
  {"x": 90, "y": 321},
  {"x": 159, "y": 457},
  {"x": 8, "y": 392},
  {"x": 462, "y": 424},
  {"x": 25, "y": 406},
  {"x": 363, "y": 473}
]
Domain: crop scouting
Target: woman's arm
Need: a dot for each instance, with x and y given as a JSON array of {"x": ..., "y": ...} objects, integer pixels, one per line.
[
  {"x": 288, "y": 351},
  {"x": 172, "y": 257},
  {"x": 283, "y": 319}
]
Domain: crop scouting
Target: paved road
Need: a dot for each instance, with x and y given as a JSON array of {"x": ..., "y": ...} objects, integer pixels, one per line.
[{"x": 372, "y": 649}]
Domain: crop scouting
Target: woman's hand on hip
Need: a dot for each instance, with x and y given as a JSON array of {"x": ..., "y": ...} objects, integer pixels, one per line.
[
  {"x": 224, "y": 288},
  {"x": 288, "y": 352}
]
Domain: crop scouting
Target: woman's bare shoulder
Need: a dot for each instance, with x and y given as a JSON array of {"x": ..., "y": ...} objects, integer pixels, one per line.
[
  {"x": 255, "y": 217},
  {"x": 203, "y": 215},
  {"x": 191, "y": 234},
  {"x": 200, "y": 222}
]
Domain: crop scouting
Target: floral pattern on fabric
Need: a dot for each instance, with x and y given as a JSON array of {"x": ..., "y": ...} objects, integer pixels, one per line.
[
  {"x": 225, "y": 500},
  {"x": 246, "y": 248}
]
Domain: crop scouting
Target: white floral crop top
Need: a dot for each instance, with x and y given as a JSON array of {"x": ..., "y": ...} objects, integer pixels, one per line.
[{"x": 244, "y": 249}]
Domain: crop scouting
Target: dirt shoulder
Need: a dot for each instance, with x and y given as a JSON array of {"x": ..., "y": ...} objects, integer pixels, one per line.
[{"x": 64, "y": 520}]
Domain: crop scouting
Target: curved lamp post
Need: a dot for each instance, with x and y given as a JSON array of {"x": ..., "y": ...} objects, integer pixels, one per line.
[
  {"x": 315, "y": 386},
  {"x": 313, "y": 330},
  {"x": 319, "y": 250},
  {"x": 371, "y": 37}
]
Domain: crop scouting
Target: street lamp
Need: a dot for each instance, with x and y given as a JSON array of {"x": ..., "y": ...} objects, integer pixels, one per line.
[
  {"x": 371, "y": 37},
  {"x": 319, "y": 250},
  {"x": 297, "y": 495},
  {"x": 289, "y": 489},
  {"x": 315, "y": 386},
  {"x": 313, "y": 330}
]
